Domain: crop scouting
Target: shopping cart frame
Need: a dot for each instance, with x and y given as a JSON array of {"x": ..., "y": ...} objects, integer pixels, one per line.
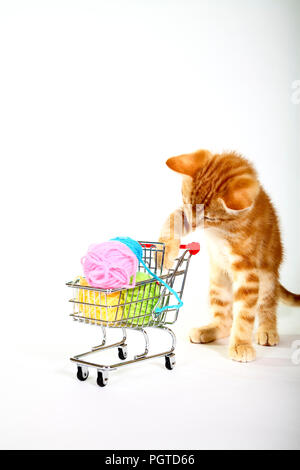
[{"x": 158, "y": 322}]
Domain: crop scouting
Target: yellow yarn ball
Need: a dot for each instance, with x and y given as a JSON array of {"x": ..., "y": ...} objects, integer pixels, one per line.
[{"x": 98, "y": 300}]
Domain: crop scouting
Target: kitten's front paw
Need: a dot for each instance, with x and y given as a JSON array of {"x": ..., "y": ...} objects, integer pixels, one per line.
[
  {"x": 266, "y": 337},
  {"x": 171, "y": 252},
  {"x": 242, "y": 352}
]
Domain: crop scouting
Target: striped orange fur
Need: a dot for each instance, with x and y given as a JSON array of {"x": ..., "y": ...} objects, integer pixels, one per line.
[{"x": 244, "y": 245}]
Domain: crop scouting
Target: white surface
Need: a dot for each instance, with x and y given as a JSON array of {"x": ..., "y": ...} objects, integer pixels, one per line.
[
  {"x": 94, "y": 97},
  {"x": 207, "y": 401}
]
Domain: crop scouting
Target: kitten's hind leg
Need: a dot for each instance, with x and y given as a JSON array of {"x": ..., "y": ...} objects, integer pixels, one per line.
[
  {"x": 267, "y": 334},
  {"x": 221, "y": 308}
]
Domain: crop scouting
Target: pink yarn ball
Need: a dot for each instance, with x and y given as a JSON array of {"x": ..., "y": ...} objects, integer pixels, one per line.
[{"x": 110, "y": 265}]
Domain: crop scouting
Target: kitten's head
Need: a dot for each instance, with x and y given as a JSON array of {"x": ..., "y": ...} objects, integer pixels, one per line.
[{"x": 226, "y": 184}]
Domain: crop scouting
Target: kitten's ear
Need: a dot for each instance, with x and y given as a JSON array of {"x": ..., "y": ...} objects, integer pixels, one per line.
[
  {"x": 241, "y": 194},
  {"x": 189, "y": 164}
]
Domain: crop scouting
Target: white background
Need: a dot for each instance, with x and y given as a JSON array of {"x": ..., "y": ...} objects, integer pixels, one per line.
[{"x": 94, "y": 96}]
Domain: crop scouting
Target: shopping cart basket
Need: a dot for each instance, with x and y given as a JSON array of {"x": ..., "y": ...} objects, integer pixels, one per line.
[{"x": 134, "y": 308}]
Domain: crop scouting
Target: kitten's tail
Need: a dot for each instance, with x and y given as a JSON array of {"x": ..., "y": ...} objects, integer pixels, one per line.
[{"x": 288, "y": 297}]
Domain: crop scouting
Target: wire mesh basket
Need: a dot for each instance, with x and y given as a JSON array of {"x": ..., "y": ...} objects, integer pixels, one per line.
[{"x": 134, "y": 307}]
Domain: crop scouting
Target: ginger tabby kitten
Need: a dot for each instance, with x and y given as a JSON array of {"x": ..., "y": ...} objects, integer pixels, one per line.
[{"x": 244, "y": 246}]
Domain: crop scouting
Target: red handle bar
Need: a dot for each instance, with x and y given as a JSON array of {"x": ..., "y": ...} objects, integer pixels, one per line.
[{"x": 193, "y": 247}]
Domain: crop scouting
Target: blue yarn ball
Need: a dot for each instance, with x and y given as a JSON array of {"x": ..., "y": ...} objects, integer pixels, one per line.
[
  {"x": 137, "y": 249},
  {"x": 133, "y": 245}
]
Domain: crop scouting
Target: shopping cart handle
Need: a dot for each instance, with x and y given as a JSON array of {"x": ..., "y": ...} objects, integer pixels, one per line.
[{"x": 193, "y": 247}]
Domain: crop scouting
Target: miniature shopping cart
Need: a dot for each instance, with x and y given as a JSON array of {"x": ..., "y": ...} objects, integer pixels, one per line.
[{"x": 134, "y": 308}]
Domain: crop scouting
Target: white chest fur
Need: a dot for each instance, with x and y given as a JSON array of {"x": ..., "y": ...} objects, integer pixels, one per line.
[{"x": 219, "y": 249}]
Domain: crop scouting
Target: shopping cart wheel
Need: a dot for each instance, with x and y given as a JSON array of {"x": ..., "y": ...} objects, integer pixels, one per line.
[
  {"x": 102, "y": 378},
  {"x": 82, "y": 373},
  {"x": 170, "y": 361},
  {"x": 122, "y": 352}
]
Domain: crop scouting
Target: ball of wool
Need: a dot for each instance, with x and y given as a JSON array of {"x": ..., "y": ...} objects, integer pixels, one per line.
[
  {"x": 99, "y": 305},
  {"x": 140, "y": 301},
  {"x": 110, "y": 265}
]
